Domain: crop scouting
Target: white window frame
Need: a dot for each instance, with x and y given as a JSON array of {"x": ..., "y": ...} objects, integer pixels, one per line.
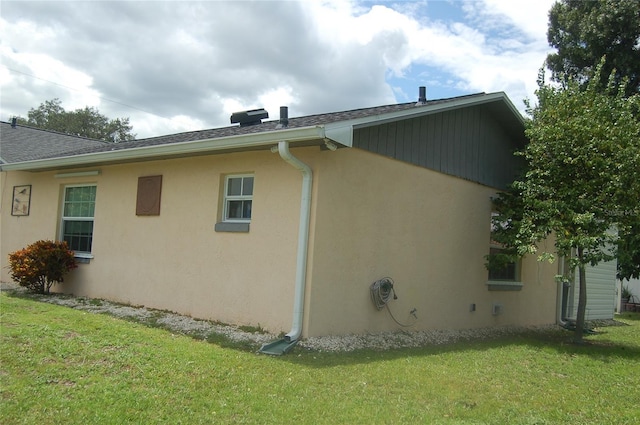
[
  {"x": 63, "y": 218},
  {"x": 229, "y": 198}
]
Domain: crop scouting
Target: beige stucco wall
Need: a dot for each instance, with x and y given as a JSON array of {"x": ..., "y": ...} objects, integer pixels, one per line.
[
  {"x": 176, "y": 261},
  {"x": 371, "y": 217},
  {"x": 429, "y": 232}
]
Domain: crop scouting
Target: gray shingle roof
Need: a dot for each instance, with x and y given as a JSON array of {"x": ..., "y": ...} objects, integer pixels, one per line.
[{"x": 24, "y": 143}]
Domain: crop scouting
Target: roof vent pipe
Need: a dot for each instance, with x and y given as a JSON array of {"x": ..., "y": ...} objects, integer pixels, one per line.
[
  {"x": 284, "y": 117},
  {"x": 422, "y": 96}
]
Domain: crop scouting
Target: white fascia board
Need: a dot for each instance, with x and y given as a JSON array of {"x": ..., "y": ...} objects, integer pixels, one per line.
[
  {"x": 246, "y": 141},
  {"x": 342, "y": 131}
]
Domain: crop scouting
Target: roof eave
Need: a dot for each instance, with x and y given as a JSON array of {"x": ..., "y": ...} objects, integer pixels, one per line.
[
  {"x": 180, "y": 149},
  {"x": 340, "y": 132}
]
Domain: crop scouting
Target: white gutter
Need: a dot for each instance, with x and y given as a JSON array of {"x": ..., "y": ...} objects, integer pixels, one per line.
[
  {"x": 119, "y": 154},
  {"x": 303, "y": 240}
]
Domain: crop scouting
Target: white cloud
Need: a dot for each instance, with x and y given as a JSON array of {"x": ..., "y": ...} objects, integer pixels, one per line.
[
  {"x": 530, "y": 16},
  {"x": 190, "y": 65},
  {"x": 150, "y": 126},
  {"x": 272, "y": 100}
]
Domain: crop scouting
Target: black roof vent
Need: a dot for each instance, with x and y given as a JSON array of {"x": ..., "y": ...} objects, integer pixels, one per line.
[
  {"x": 251, "y": 117},
  {"x": 422, "y": 96},
  {"x": 283, "y": 122}
]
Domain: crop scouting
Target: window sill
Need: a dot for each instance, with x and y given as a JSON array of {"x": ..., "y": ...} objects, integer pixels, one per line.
[
  {"x": 504, "y": 285},
  {"x": 225, "y": 226},
  {"x": 83, "y": 257}
]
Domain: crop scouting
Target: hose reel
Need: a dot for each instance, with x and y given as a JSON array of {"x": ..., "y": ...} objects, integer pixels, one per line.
[{"x": 381, "y": 292}]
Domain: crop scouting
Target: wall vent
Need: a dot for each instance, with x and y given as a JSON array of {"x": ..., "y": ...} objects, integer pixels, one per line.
[{"x": 250, "y": 117}]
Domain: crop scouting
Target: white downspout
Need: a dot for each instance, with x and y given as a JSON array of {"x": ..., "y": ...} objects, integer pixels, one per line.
[
  {"x": 560, "y": 293},
  {"x": 303, "y": 240}
]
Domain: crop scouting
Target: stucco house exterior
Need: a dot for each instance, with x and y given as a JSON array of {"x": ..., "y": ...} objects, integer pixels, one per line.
[{"x": 287, "y": 223}]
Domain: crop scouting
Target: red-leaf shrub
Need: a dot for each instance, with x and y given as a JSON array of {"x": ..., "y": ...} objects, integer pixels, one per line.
[{"x": 41, "y": 264}]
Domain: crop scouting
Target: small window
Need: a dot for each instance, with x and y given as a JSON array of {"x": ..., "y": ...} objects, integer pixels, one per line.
[
  {"x": 510, "y": 271},
  {"x": 238, "y": 198},
  {"x": 77, "y": 218}
]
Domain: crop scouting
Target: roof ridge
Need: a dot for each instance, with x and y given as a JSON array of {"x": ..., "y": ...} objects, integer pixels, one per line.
[
  {"x": 308, "y": 117},
  {"x": 431, "y": 101}
]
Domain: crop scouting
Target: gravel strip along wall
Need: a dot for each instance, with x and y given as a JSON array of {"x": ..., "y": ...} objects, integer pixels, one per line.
[{"x": 201, "y": 328}]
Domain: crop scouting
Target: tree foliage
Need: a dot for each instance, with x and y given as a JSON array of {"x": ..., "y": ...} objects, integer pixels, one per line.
[
  {"x": 629, "y": 251},
  {"x": 582, "y": 180},
  {"x": 585, "y": 31},
  {"x": 85, "y": 122},
  {"x": 41, "y": 264}
]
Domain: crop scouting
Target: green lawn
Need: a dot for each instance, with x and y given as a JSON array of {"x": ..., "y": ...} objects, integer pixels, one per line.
[{"x": 64, "y": 366}]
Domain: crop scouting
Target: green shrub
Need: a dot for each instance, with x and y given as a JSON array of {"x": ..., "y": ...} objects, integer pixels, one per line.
[{"x": 41, "y": 264}]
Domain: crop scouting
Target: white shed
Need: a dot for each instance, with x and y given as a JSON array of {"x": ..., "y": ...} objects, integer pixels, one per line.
[{"x": 601, "y": 293}]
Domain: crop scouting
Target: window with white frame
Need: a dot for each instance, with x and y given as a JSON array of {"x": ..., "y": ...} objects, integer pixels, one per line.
[
  {"x": 238, "y": 198},
  {"x": 77, "y": 217}
]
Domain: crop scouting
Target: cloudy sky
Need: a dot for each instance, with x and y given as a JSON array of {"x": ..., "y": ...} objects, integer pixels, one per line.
[{"x": 181, "y": 65}]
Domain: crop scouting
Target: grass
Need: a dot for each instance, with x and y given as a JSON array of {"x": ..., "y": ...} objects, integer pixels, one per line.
[{"x": 60, "y": 365}]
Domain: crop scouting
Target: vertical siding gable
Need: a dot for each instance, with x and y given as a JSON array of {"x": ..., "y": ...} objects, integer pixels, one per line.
[
  {"x": 436, "y": 124},
  {"x": 369, "y": 139},
  {"x": 391, "y": 139},
  {"x": 414, "y": 134},
  {"x": 403, "y": 144},
  {"x": 467, "y": 142},
  {"x": 456, "y": 160}
]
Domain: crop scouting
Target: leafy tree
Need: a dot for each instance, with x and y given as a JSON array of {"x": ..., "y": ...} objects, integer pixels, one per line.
[
  {"x": 582, "y": 180},
  {"x": 86, "y": 122},
  {"x": 585, "y": 31}
]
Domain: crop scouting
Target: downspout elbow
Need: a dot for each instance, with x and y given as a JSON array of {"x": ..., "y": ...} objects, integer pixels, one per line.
[{"x": 285, "y": 153}]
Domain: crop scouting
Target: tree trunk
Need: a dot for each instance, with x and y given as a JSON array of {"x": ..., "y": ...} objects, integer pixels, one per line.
[{"x": 582, "y": 298}]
